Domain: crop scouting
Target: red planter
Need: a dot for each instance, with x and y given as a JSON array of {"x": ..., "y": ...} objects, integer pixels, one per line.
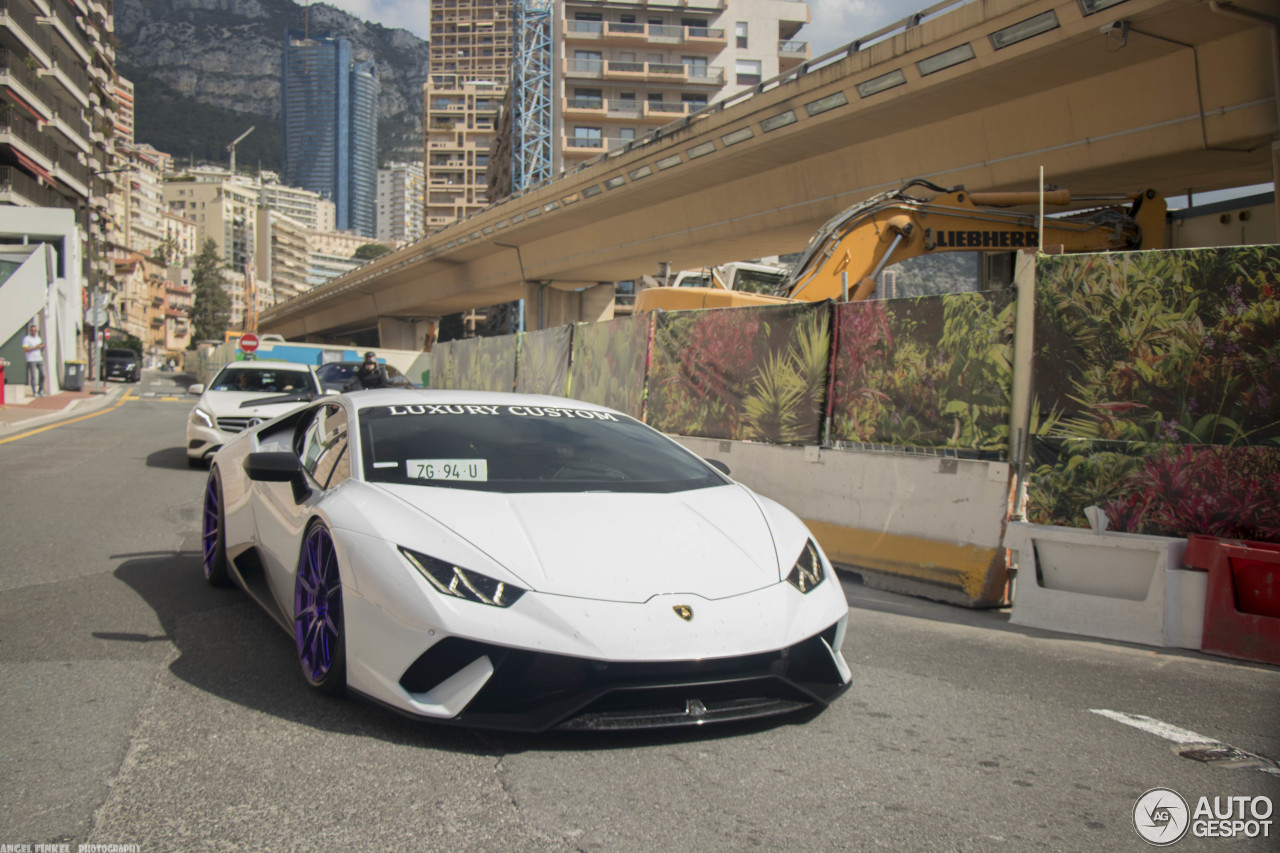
[{"x": 1242, "y": 602}]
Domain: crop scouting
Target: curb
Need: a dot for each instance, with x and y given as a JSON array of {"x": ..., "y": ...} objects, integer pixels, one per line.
[{"x": 75, "y": 407}]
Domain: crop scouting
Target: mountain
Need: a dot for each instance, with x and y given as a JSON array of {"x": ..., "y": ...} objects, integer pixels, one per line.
[{"x": 205, "y": 70}]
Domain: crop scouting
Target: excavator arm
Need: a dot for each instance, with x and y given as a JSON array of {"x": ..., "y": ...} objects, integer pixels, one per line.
[
  {"x": 895, "y": 226},
  {"x": 856, "y": 245}
]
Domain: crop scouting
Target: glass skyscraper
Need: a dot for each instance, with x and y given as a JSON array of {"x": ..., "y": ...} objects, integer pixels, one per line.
[{"x": 329, "y": 126}]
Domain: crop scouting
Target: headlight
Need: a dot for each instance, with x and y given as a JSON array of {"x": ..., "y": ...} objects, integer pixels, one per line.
[
  {"x": 199, "y": 418},
  {"x": 462, "y": 583},
  {"x": 807, "y": 572}
]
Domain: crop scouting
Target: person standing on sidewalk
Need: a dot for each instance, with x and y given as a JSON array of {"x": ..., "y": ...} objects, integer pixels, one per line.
[{"x": 33, "y": 349}]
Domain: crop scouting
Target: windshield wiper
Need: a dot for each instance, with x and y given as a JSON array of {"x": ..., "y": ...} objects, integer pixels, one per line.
[{"x": 293, "y": 397}]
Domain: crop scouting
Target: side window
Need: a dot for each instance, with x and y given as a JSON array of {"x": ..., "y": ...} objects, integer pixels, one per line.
[{"x": 324, "y": 447}]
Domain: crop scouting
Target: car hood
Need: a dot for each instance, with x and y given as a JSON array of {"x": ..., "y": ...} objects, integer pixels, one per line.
[
  {"x": 226, "y": 404},
  {"x": 712, "y": 542}
]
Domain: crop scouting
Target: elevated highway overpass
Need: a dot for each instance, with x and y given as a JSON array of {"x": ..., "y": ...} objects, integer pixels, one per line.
[{"x": 1106, "y": 95}]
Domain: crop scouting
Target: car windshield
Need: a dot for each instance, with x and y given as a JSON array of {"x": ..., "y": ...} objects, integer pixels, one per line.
[
  {"x": 121, "y": 353},
  {"x": 336, "y": 372},
  {"x": 516, "y": 448},
  {"x": 261, "y": 381}
]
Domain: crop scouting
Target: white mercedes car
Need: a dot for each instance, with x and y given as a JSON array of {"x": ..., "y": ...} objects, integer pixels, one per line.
[
  {"x": 244, "y": 394},
  {"x": 520, "y": 562}
]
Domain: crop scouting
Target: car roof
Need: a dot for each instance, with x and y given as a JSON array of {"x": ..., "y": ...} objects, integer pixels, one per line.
[
  {"x": 267, "y": 364},
  {"x": 376, "y": 397}
]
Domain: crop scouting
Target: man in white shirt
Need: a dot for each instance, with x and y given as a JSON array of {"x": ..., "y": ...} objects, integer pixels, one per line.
[{"x": 33, "y": 349}]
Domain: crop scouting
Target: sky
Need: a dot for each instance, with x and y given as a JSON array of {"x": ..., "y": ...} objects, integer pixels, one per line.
[{"x": 834, "y": 22}]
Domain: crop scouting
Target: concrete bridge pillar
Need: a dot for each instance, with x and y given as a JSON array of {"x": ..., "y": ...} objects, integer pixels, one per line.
[
  {"x": 410, "y": 333},
  {"x": 559, "y": 303}
]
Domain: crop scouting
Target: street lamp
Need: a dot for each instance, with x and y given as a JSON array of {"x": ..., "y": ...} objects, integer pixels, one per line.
[{"x": 95, "y": 351}]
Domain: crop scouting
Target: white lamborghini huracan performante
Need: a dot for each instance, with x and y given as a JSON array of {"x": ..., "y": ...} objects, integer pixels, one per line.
[{"x": 519, "y": 562}]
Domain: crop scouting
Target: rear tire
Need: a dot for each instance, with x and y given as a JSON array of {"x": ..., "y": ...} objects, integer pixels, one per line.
[
  {"x": 318, "y": 625},
  {"x": 213, "y": 539}
]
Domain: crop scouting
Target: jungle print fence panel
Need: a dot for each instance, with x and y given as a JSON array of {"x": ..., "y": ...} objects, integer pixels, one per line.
[
  {"x": 935, "y": 371},
  {"x": 741, "y": 373},
  {"x": 609, "y": 363},
  {"x": 1157, "y": 382},
  {"x": 475, "y": 364},
  {"x": 543, "y": 363},
  {"x": 443, "y": 370}
]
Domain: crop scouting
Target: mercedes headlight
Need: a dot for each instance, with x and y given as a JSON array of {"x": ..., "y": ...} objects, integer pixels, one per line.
[
  {"x": 200, "y": 418},
  {"x": 807, "y": 572},
  {"x": 458, "y": 582}
]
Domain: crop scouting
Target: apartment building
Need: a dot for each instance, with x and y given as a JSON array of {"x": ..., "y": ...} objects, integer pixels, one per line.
[
  {"x": 470, "y": 59},
  {"x": 122, "y": 90},
  {"x": 331, "y": 254},
  {"x": 309, "y": 209},
  {"x": 57, "y": 111},
  {"x": 140, "y": 202},
  {"x": 626, "y": 68},
  {"x": 223, "y": 208},
  {"x": 282, "y": 256},
  {"x": 400, "y": 200},
  {"x": 180, "y": 237},
  {"x": 179, "y": 299}
]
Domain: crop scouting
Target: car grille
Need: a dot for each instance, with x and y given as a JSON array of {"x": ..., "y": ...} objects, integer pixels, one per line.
[
  {"x": 533, "y": 691},
  {"x": 234, "y": 424}
]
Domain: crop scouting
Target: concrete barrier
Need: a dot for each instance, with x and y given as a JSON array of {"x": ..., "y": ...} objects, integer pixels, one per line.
[
  {"x": 919, "y": 524},
  {"x": 1116, "y": 586}
]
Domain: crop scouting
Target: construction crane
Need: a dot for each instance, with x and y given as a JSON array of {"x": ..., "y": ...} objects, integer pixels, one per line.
[{"x": 234, "y": 143}]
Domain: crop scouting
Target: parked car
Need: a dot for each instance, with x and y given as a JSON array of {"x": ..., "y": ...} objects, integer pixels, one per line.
[
  {"x": 121, "y": 363},
  {"x": 336, "y": 374},
  {"x": 241, "y": 395},
  {"x": 522, "y": 562}
]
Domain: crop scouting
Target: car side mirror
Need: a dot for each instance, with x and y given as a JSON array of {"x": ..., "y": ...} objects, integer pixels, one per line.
[
  {"x": 278, "y": 467},
  {"x": 195, "y": 389},
  {"x": 331, "y": 392},
  {"x": 719, "y": 466}
]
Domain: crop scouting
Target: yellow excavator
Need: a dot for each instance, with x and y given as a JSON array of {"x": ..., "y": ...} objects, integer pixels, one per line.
[{"x": 846, "y": 255}]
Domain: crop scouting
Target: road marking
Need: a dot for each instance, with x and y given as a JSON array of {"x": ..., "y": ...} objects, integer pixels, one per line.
[
  {"x": 64, "y": 423},
  {"x": 1188, "y": 738}
]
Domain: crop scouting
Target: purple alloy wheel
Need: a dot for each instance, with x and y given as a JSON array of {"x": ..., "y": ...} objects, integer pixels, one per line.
[
  {"x": 210, "y": 528},
  {"x": 317, "y": 601}
]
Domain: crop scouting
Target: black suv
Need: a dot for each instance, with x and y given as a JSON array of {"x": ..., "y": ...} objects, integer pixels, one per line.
[{"x": 120, "y": 363}]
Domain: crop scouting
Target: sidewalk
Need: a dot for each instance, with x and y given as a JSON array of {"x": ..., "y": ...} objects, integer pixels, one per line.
[{"x": 15, "y": 417}]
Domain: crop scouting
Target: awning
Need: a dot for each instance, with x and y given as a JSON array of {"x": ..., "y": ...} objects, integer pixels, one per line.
[{"x": 35, "y": 167}]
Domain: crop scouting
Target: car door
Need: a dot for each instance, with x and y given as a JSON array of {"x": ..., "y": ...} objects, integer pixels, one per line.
[{"x": 322, "y": 445}]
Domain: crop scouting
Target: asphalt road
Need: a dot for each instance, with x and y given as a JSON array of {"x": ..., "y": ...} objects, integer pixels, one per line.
[{"x": 139, "y": 706}]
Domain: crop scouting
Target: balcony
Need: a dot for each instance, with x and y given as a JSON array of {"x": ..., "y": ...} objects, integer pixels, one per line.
[
  {"x": 20, "y": 134},
  {"x": 24, "y": 86},
  {"x": 19, "y": 188},
  {"x": 72, "y": 174},
  {"x": 583, "y": 147},
  {"x": 64, "y": 22},
  {"x": 643, "y": 72},
  {"x": 792, "y": 53},
  {"x": 616, "y": 34},
  {"x": 72, "y": 77},
  {"x": 24, "y": 27}
]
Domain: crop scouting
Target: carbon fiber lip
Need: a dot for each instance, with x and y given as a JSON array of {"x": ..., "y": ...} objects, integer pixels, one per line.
[{"x": 695, "y": 713}]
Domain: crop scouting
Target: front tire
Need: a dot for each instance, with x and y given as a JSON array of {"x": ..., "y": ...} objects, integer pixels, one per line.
[
  {"x": 318, "y": 617},
  {"x": 213, "y": 538}
]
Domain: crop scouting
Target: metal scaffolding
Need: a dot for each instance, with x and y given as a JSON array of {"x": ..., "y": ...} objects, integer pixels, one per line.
[{"x": 531, "y": 94}]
